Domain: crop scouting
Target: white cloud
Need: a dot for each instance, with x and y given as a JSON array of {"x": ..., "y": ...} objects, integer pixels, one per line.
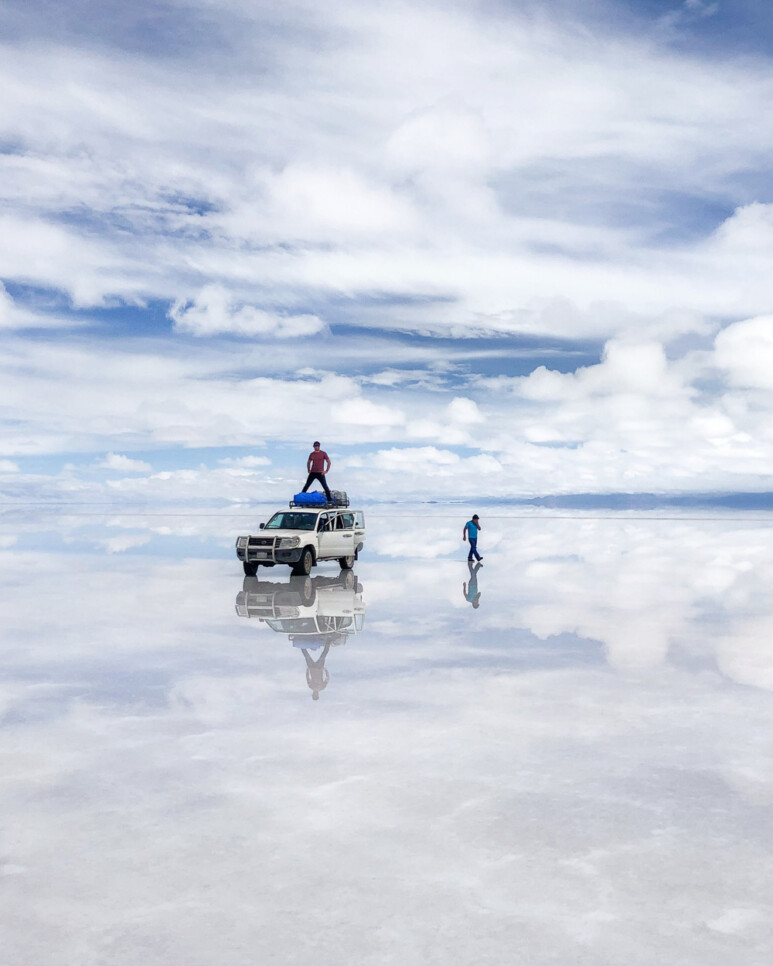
[
  {"x": 14, "y": 316},
  {"x": 745, "y": 352},
  {"x": 417, "y": 458},
  {"x": 213, "y": 312},
  {"x": 126, "y": 542},
  {"x": 687, "y": 12},
  {"x": 465, "y": 411},
  {"x": 304, "y": 202},
  {"x": 245, "y": 462},
  {"x": 124, "y": 464},
  {"x": 626, "y": 368},
  {"x": 614, "y": 426},
  {"x": 204, "y": 485},
  {"x": 8, "y": 466},
  {"x": 6, "y": 307},
  {"x": 417, "y": 168},
  {"x": 444, "y": 137},
  {"x": 415, "y": 159}
]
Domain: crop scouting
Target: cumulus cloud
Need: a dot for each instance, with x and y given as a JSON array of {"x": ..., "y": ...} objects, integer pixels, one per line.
[
  {"x": 465, "y": 411},
  {"x": 744, "y": 351},
  {"x": 124, "y": 464},
  {"x": 213, "y": 312},
  {"x": 625, "y": 368}
]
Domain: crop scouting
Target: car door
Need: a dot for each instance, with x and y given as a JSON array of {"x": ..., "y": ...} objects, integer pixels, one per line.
[
  {"x": 345, "y": 527},
  {"x": 328, "y": 538},
  {"x": 359, "y": 527}
]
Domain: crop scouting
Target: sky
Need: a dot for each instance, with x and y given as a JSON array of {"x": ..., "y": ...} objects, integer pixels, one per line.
[{"x": 480, "y": 250}]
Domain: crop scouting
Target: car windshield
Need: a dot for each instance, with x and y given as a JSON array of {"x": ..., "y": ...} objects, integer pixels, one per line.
[
  {"x": 292, "y": 521},
  {"x": 295, "y": 625}
]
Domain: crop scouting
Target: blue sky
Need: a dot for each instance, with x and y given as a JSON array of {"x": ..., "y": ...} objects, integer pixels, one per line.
[{"x": 481, "y": 250}]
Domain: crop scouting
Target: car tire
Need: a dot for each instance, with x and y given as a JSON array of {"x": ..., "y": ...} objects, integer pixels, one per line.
[
  {"x": 305, "y": 590},
  {"x": 346, "y": 562},
  {"x": 250, "y": 569},
  {"x": 304, "y": 565},
  {"x": 308, "y": 593}
]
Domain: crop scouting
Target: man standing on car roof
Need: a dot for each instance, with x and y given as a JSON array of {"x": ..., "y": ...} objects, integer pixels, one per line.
[{"x": 316, "y": 468}]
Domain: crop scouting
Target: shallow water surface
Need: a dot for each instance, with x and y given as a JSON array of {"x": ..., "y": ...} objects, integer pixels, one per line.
[{"x": 562, "y": 756}]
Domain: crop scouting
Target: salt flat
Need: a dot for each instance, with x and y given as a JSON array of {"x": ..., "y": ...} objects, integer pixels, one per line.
[{"x": 201, "y": 768}]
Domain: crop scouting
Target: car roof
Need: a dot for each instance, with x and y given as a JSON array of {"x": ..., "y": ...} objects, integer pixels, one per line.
[{"x": 318, "y": 509}]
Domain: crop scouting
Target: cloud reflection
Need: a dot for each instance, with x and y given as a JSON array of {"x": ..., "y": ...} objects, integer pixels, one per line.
[{"x": 543, "y": 773}]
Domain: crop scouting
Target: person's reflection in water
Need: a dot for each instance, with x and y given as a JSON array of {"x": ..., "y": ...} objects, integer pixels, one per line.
[
  {"x": 317, "y": 675},
  {"x": 470, "y": 590}
]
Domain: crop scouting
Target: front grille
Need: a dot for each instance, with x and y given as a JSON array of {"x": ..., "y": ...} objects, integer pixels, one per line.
[{"x": 261, "y": 541}]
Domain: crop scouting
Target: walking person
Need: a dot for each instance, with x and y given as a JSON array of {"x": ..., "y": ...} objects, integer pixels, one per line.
[
  {"x": 317, "y": 469},
  {"x": 470, "y": 531}
]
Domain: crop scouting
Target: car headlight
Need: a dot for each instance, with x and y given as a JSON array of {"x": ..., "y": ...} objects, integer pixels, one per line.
[
  {"x": 287, "y": 543},
  {"x": 241, "y": 541}
]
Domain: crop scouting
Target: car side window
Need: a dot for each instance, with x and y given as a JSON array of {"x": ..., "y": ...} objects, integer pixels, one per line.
[
  {"x": 347, "y": 520},
  {"x": 324, "y": 523}
]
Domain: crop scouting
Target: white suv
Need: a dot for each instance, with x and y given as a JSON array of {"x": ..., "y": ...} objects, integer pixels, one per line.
[{"x": 302, "y": 536}]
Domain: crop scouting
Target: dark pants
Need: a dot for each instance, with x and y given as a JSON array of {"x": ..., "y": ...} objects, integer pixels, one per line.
[
  {"x": 321, "y": 478},
  {"x": 473, "y": 548}
]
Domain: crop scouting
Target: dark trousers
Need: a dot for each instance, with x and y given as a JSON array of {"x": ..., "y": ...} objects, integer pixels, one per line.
[
  {"x": 321, "y": 478},
  {"x": 473, "y": 548}
]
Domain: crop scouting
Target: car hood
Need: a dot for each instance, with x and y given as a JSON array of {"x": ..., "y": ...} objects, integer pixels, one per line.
[{"x": 280, "y": 532}]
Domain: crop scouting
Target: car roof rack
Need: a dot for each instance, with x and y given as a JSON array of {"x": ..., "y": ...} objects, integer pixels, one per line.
[{"x": 340, "y": 504}]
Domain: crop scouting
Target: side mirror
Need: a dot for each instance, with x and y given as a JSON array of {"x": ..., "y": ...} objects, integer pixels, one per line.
[{"x": 261, "y": 525}]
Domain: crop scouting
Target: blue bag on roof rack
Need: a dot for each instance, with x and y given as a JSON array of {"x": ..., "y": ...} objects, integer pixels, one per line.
[{"x": 309, "y": 499}]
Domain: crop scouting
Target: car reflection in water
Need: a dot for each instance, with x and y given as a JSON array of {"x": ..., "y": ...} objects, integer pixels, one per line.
[{"x": 316, "y": 613}]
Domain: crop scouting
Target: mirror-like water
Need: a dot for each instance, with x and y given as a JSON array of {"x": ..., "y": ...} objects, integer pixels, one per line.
[{"x": 561, "y": 756}]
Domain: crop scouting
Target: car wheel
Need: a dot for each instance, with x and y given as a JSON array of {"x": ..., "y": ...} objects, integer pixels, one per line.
[
  {"x": 304, "y": 588},
  {"x": 346, "y": 562},
  {"x": 304, "y": 565},
  {"x": 250, "y": 569}
]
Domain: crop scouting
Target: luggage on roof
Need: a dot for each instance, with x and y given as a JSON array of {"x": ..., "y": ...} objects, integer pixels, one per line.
[{"x": 314, "y": 498}]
